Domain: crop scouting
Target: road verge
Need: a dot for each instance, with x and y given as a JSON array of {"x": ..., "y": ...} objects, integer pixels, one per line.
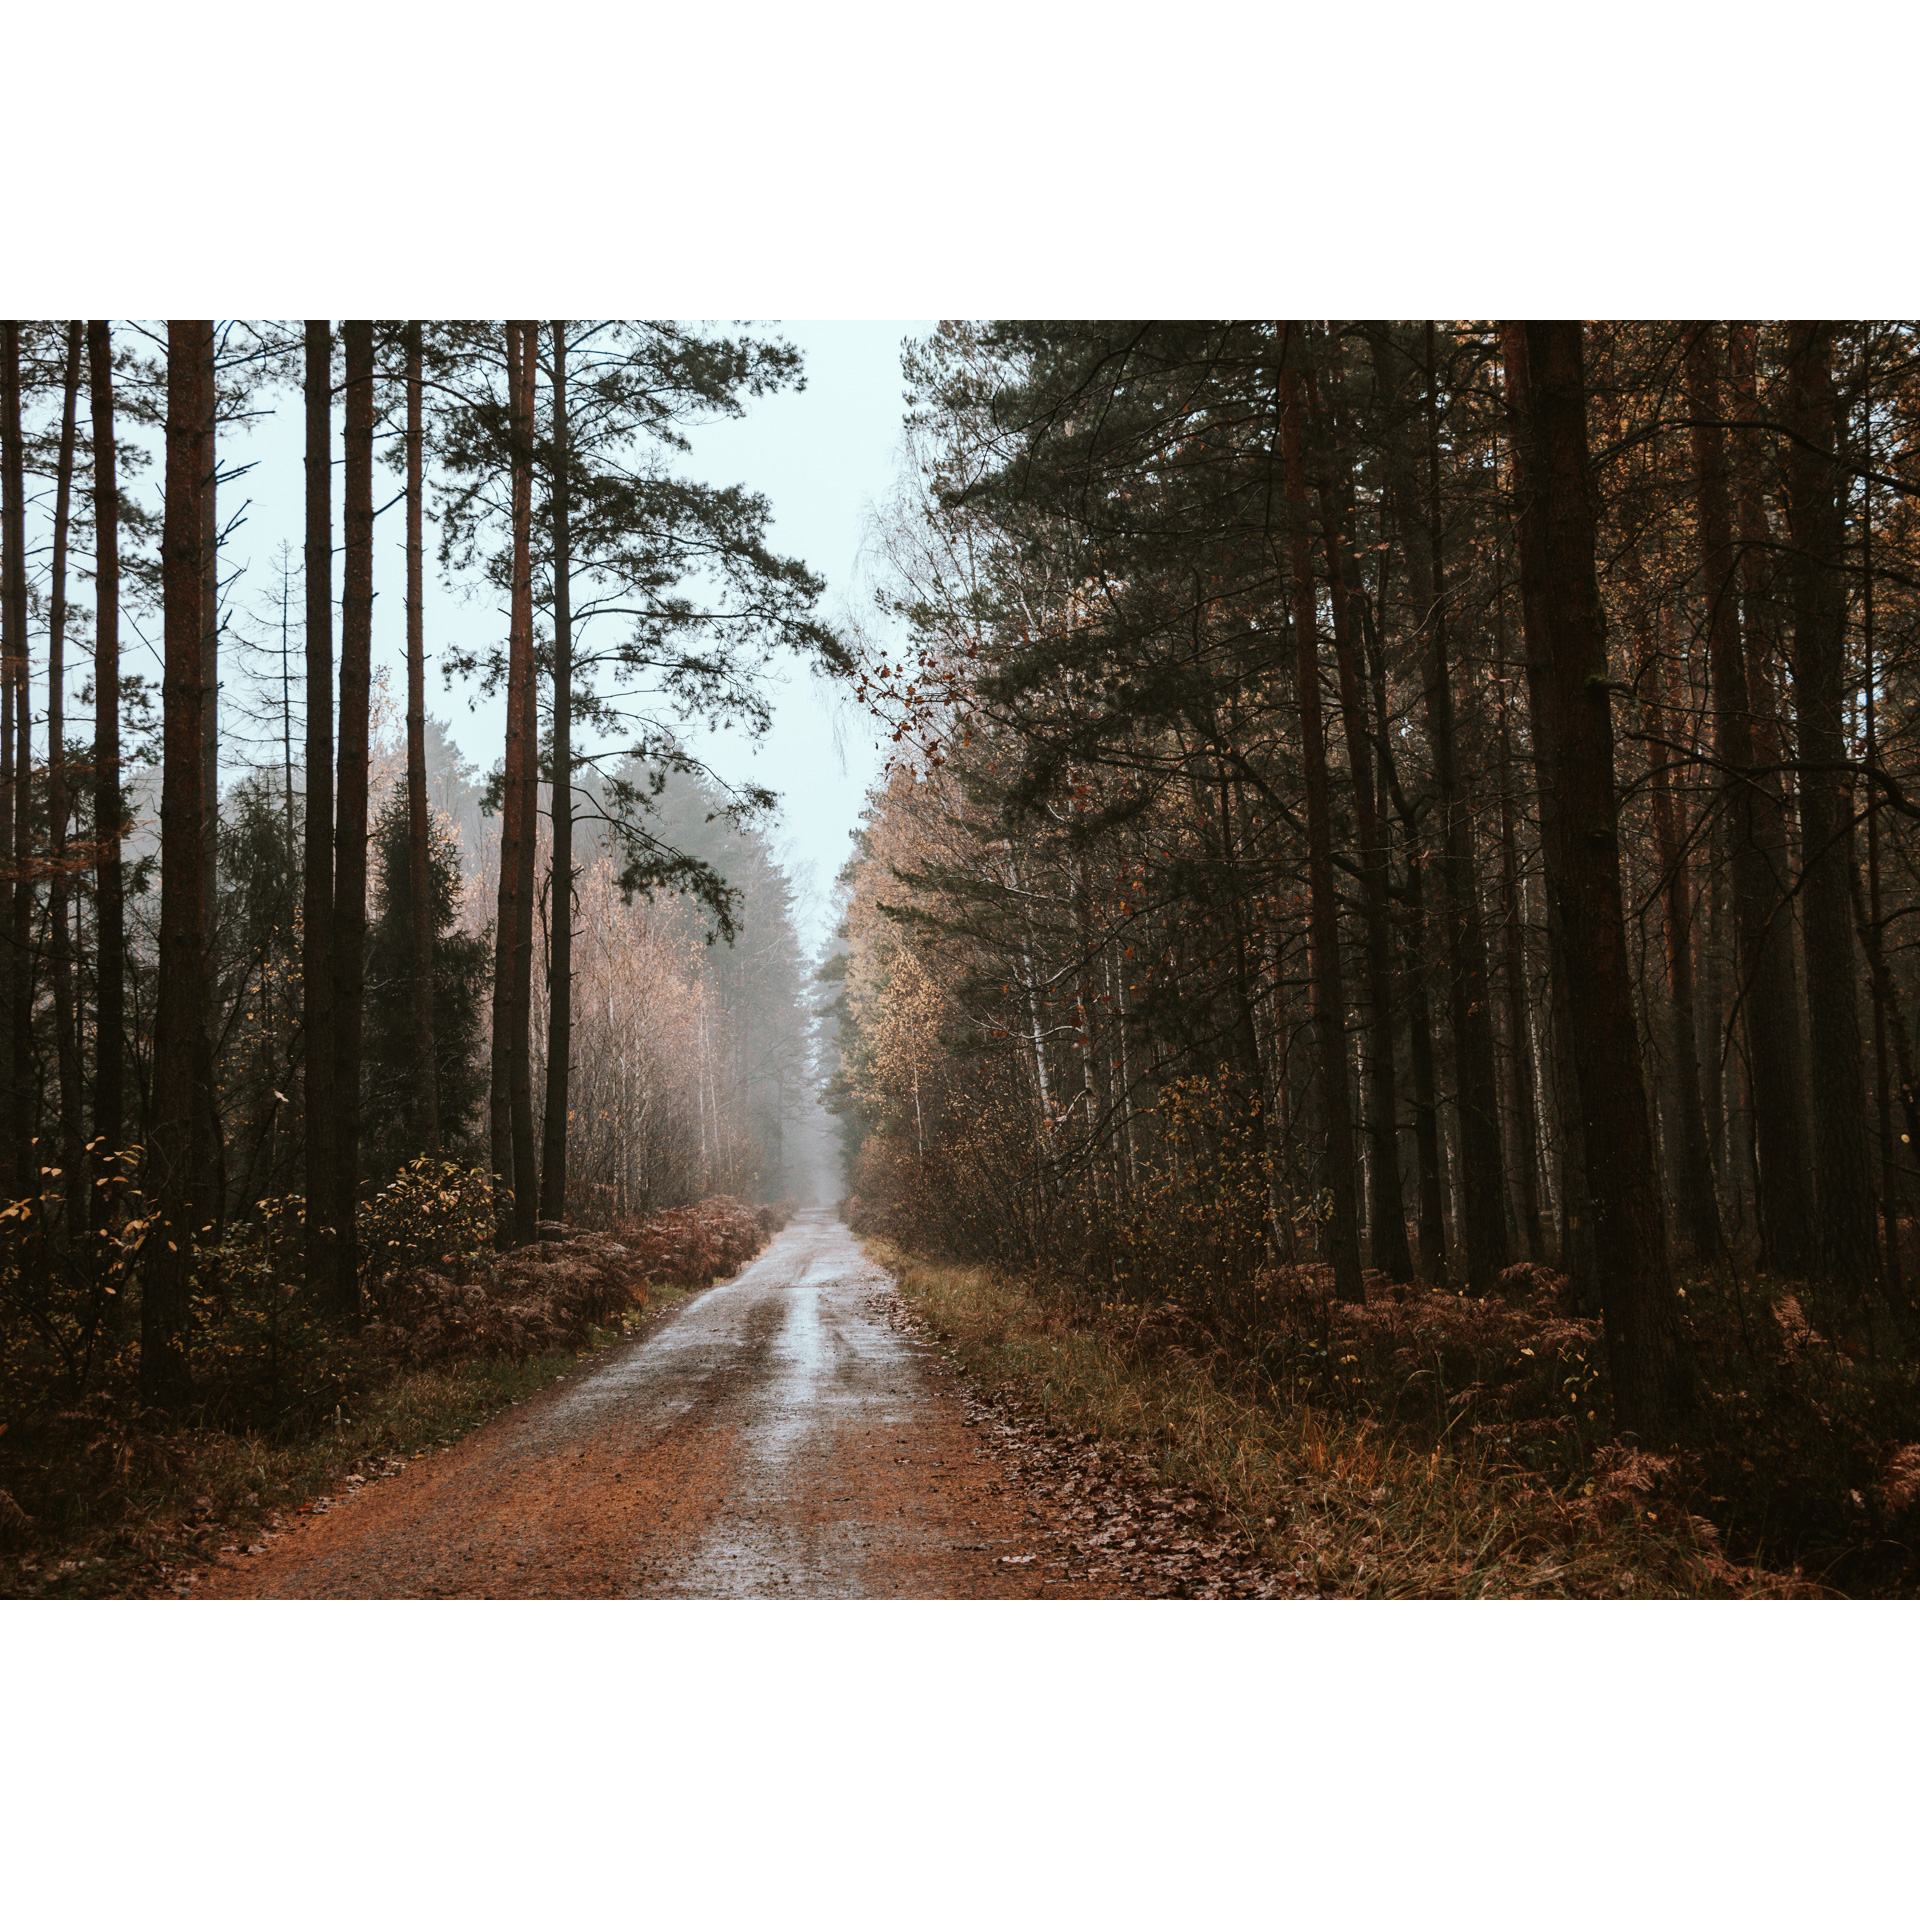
[{"x": 1347, "y": 1508}]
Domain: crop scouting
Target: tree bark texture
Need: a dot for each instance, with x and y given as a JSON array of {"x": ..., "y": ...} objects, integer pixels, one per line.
[
  {"x": 1699, "y": 1214},
  {"x": 1526, "y": 1134},
  {"x": 1483, "y": 1211},
  {"x": 59, "y": 903},
  {"x": 1342, "y": 1239},
  {"x": 1431, "y": 1230},
  {"x": 109, "y": 809},
  {"x": 350, "y": 806},
  {"x": 553, "y": 1178},
  {"x": 1570, "y": 686},
  {"x": 1757, "y": 835},
  {"x": 1842, "y": 1181},
  {"x": 419, "y": 877},
  {"x": 511, "y": 1089},
  {"x": 210, "y": 644},
  {"x": 171, "y": 1176},
  {"x": 1387, "y": 1225},
  {"x": 16, "y": 893},
  {"x": 316, "y": 956}
]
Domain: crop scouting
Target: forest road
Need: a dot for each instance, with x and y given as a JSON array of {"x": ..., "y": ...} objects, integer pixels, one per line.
[{"x": 777, "y": 1437}]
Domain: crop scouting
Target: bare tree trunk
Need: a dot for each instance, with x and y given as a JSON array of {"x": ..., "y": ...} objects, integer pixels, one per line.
[
  {"x": 1387, "y": 1224},
  {"x": 1569, "y": 682},
  {"x": 507, "y": 886},
  {"x": 1837, "y": 1078},
  {"x": 419, "y": 876},
  {"x": 16, "y": 892},
  {"x": 1329, "y": 1008},
  {"x": 350, "y": 815},
  {"x": 109, "y": 1030},
  {"x": 1432, "y": 1231},
  {"x": 209, "y": 1156},
  {"x": 1874, "y": 926},
  {"x": 560, "y": 957},
  {"x": 1526, "y": 1136},
  {"x": 172, "y": 1177},
  {"x": 1758, "y": 837},
  {"x": 525, "y": 1151},
  {"x": 1483, "y": 1213},
  {"x": 511, "y": 1102},
  {"x": 66, "y": 1041},
  {"x": 1697, "y": 1208},
  {"x": 1577, "y": 1250},
  {"x": 316, "y": 959},
  {"x": 210, "y": 649}
]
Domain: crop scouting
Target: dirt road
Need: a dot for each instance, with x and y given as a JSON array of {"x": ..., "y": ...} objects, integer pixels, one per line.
[{"x": 780, "y": 1435}]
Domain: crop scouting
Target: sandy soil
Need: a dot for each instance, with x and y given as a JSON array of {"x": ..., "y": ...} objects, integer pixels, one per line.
[{"x": 788, "y": 1434}]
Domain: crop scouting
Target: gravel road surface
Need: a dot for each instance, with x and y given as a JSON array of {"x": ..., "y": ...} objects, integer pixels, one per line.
[{"x": 781, "y": 1435}]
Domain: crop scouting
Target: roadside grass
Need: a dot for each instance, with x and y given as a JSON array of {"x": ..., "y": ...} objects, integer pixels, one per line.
[
  {"x": 176, "y": 1503},
  {"x": 1352, "y": 1508}
]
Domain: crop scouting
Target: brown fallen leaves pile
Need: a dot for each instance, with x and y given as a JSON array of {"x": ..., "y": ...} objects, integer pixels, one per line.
[{"x": 1117, "y": 1529}]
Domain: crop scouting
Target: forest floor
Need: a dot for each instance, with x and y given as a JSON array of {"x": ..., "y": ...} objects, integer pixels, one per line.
[
  {"x": 1319, "y": 1502},
  {"x": 236, "y": 1494},
  {"x": 789, "y": 1433}
]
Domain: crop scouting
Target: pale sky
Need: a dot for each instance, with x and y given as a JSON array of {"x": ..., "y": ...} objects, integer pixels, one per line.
[{"x": 823, "y": 457}]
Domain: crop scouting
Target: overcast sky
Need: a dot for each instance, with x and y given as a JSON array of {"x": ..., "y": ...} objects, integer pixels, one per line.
[{"x": 823, "y": 457}]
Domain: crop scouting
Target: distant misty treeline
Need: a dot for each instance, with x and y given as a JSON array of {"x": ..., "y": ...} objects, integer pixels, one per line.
[
  {"x": 694, "y": 1056},
  {"x": 320, "y": 969}
]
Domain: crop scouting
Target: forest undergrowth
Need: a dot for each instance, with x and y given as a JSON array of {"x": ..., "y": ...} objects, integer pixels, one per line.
[
  {"x": 100, "y": 1496},
  {"x": 1432, "y": 1444}
]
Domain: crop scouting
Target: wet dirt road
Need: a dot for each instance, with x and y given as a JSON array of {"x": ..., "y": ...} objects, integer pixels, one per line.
[{"x": 780, "y": 1435}]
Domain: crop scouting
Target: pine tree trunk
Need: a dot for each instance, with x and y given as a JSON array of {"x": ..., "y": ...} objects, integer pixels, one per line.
[
  {"x": 1760, "y": 615},
  {"x": 507, "y": 889},
  {"x": 1526, "y": 1133},
  {"x": 1884, "y": 1006},
  {"x": 172, "y": 1178},
  {"x": 350, "y": 804},
  {"x": 1709, "y": 1017},
  {"x": 1698, "y": 1212},
  {"x": 553, "y": 1180},
  {"x": 59, "y": 906},
  {"x": 109, "y": 809},
  {"x": 1576, "y": 1236},
  {"x": 1579, "y": 1251},
  {"x": 1387, "y": 1225},
  {"x": 1758, "y": 849},
  {"x": 210, "y": 650},
  {"x": 1842, "y": 1182},
  {"x": 1342, "y": 1239},
  {"x": 1483, "y": 1214},
  {"x": 511, "y": 1094},
  {"x": 209, "y": 1154},
  {"x": 1432, "y": 1230},
  {"x": 526, "y": 1189},
  {"x": 1520, "y": 1095},
  {"x": 1570, "y": 687},
  {"x": 316, "y": 957},
  {"x": 1871, "y": 922},
  {"x": 16, "y": 893},
  {"x": 419, "y": 878}
]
